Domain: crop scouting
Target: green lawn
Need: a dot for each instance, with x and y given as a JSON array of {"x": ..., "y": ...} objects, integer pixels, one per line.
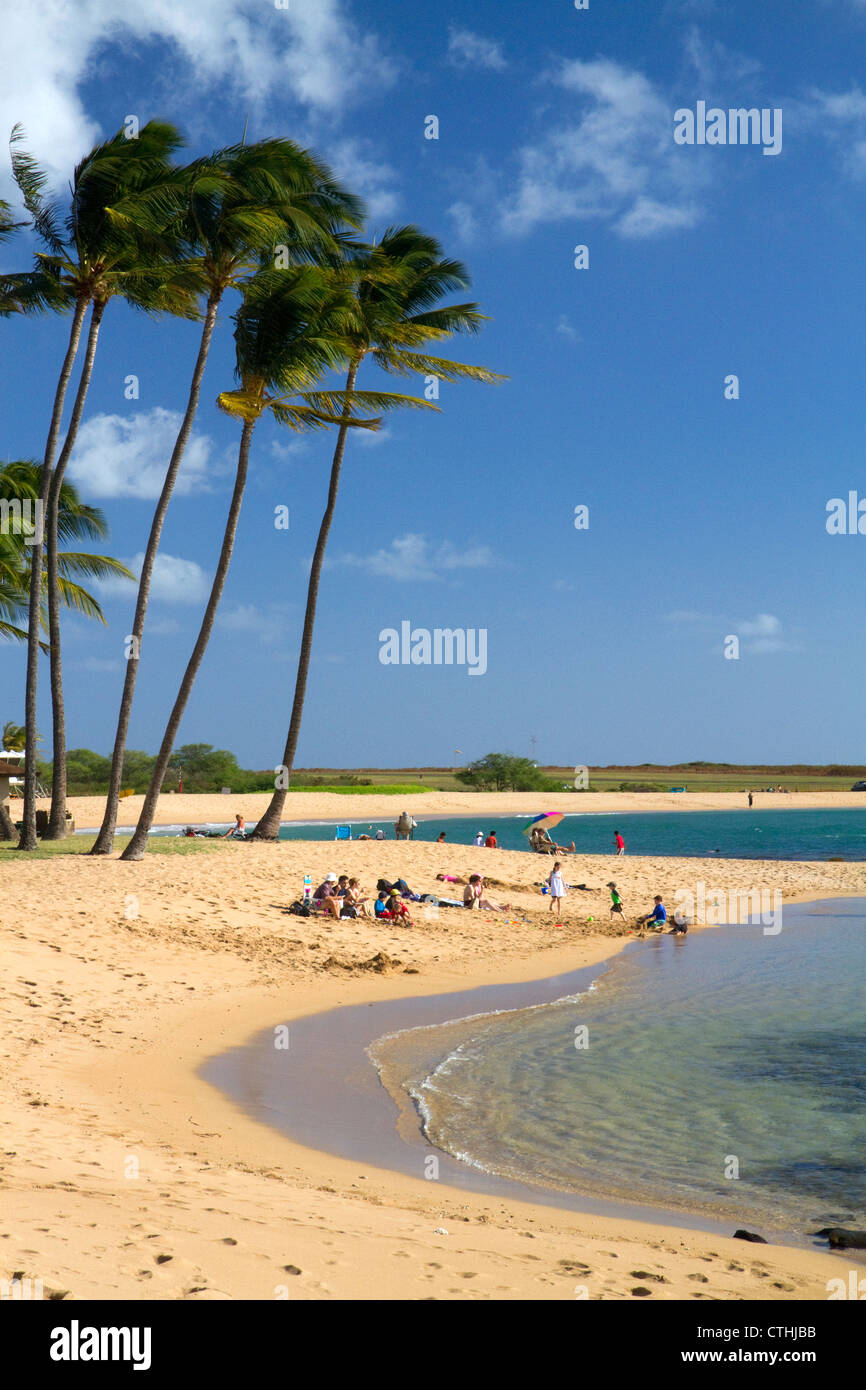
[
  {"x": 387, "y": 789},
  {"x": 80, "y": 844}
]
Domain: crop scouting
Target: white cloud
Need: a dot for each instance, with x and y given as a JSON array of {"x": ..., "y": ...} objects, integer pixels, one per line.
[
  {"x": 762, "y": 625},
  {"x": 466, "y": 49},
  {"x": 284, "y": 449},
  {"x": 268, "y": 625},
  {"x": 311, "y": 51},
  {"x": 465, "y": 221},
  {"x": 354, "y": 162},
  {"x": 566, "y": 329},
  {"x": 616, "y": 161},
  {"x": 127, "y": 455},
  {"x": 760, "y": 635},
  {"x": 841, "y": 119},
  {"x": 714, "y": 64},
  {"x": 372, "y": 438},
  {"x": 413, "y": 557},
  {"x": 648, "y": 218},
  {"x": 175, "y": 580},
  {"x": 764, "y": 632}
]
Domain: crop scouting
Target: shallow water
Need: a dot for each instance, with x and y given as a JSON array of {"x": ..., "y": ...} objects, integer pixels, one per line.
[
  {"x": 757, "y": 834},
  {"x": 722, "y": 1073}
]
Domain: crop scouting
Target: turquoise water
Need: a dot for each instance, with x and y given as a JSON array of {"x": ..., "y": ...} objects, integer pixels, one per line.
[
  {"x": 722, "y": 1073},
  {"x": 807, "y": 835}
]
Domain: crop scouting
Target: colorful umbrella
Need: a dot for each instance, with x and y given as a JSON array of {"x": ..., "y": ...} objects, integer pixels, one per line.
[{"x": 546, "y": 821}]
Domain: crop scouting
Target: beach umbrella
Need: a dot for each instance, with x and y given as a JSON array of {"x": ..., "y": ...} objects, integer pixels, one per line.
[{"x": 546, "y": 821}]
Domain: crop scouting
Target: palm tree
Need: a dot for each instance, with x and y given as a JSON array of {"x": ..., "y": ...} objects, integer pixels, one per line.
[
  {"x": 397, "y": 285},
  {"x": 238, "y": 205},
  {"x": 14, "y": 737},
  {"x": 288, "y": 331},
  {"x": 87, "y": 260},
  {"x": 19, "y": 483}
]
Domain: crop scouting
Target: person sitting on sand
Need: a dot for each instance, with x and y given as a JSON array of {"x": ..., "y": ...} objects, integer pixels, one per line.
[
  {"x": 238, "y": 831},
  {"x": 353, "y": 898},
  {"x": 490, "y": 842},
  {"x": 398, "y": 909},
  {"x": 391, "y": 908},
  {"x": 657, "y": 918},
  {"x": 441, "y": 839},
  {"x": 473, "y": 896},
  {"x": 479, "y": 838},
  {"x": 616, "y": 905},
  {"x": 326, "y": 894}
]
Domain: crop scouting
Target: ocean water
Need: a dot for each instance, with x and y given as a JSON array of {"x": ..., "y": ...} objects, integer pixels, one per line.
[
  {"x": 723, "y": 1073},
  {"x": 756, "y": 834}
]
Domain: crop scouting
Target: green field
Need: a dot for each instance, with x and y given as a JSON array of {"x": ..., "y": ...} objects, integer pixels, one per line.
[
  {"x": 705, "y": 777},
  {"x": 80, "y": 844}
]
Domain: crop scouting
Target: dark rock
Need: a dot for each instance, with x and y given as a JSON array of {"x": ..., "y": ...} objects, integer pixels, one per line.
[
  {"x": 749, "y": 1235},
  {"x": 842, "y": 1239}
]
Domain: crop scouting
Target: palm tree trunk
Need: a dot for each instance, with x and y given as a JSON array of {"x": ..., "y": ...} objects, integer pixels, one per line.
[
  {"x": 138, "y": 844},
  {"x": 105, "y": 839},
  {"x": 7, "y": 829},
  {"x": 28, "y": 838},
  {"x": 268, "y": 827},
  {"x": 57, "y": 819}
]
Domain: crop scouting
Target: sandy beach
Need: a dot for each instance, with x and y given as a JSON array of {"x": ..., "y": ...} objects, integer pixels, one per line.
[
  {"x": 173, "y": 809},
  {"x": 127, "y": 1176}
]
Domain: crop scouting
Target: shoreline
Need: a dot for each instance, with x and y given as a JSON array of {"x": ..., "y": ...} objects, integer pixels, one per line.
[
  {"x": 128, "y": 1176},
  {"x": 372, "y": 1119}
]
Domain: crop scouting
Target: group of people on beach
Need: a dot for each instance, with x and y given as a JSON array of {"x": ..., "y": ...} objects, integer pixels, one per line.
[{"x": 343, "y": 897}]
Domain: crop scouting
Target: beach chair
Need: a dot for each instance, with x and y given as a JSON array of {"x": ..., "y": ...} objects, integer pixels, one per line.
[{"x": 344, "y": 832}]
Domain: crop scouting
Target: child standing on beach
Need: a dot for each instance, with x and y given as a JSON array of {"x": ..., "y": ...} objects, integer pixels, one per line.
[
  {"x": 556, "y": 885},
  {"x": 619, "y": 842},
  {"x": 615, "y": 900}
]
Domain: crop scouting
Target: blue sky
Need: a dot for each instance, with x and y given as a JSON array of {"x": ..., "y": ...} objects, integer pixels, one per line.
[{"x": 706, "y": 515}]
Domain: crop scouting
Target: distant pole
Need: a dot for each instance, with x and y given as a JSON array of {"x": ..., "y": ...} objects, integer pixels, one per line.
[{"x": 533, "y": 741}]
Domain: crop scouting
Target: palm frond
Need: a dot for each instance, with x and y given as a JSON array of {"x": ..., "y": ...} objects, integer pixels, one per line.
[
  {"x": 31, "y": 181},
  {"x": 79, "y": 600},
  {"x": 403, "y": 363},
  {"x": 92, "y": 566},
  {"x": 335, "y": 401},
  {"x": 304, "y": 417}
]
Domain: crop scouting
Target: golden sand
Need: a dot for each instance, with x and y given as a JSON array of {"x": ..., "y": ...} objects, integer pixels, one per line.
[{"x": 122, "y": 978}]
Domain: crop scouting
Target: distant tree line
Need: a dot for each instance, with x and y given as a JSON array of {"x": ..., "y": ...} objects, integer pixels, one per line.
[{"x": 502, "y": 772}]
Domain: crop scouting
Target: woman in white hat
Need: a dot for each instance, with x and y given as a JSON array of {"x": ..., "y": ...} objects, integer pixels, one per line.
[{"x": 326, "y": 894}]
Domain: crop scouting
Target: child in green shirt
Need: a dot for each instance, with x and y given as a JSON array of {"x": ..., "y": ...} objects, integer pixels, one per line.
[{"x": 615, "y": 900}]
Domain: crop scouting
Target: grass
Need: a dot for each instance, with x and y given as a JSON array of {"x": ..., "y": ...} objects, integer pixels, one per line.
[
  {"x": 80, "y": 844},
  {"x": 385, "y": 789}
]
